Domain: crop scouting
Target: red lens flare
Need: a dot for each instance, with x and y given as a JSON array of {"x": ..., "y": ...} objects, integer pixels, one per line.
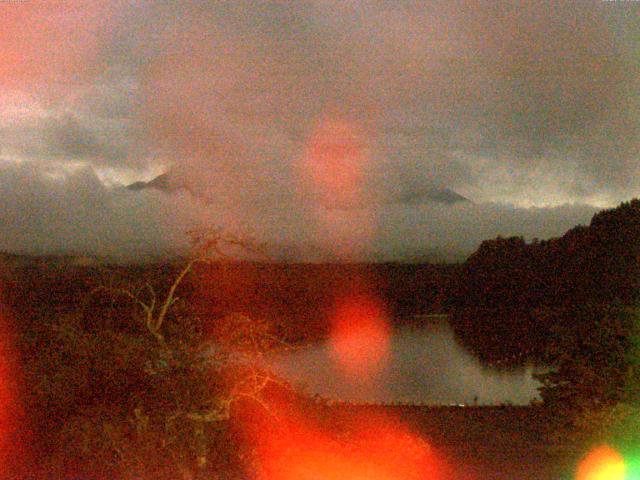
[
  {"x": 602, "y": 463},
  {"x": 360, "y": 336},
  {"x": 334, "y": 162},
  {"x": 10, "y": 413},
  {"x": 368, "y": 447},
  {"x": 333, "y": 170}
]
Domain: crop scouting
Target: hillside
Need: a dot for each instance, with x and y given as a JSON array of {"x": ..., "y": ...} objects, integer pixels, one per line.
[{"x": 511, "y": 294}]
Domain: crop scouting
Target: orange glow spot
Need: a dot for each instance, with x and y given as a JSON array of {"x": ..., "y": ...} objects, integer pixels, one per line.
[
  {"x": 360, "y": 336},
  {"x": 370, "y": 448},
  {"x": 332, "y": 170},
  {"x": 602, "y": 463},
  {"x": 334, "y": 163}
]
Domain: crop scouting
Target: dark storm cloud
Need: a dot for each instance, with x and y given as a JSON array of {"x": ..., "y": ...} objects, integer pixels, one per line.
[
  {"x": 69, "y": 137},
  {"x": 92, "y": 122},
  {"x": 518, "y": 85},
  {"x": 523, "y": 104}
]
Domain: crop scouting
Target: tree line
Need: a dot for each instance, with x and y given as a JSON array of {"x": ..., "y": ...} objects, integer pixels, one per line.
[{"x": 511, "y": 296}]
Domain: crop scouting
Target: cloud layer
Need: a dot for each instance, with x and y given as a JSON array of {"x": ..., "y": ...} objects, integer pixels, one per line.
[
  {"x": 47, "y": 212},
  {"x": 322, "y": 126}
]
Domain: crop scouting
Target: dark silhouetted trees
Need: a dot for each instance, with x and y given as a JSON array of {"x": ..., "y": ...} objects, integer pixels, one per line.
[{"x": 502, "y": 302}]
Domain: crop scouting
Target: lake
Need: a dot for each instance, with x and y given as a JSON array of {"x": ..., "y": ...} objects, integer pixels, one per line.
[{"x": 425, "y": 365}]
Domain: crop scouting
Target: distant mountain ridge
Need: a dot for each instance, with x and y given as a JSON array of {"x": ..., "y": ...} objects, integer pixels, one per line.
[
  {"x": 165, "y": 183},
  {"x": 14, "y": 260},
  {"x": 161, "y": 182},
  {"x": 436, "y": 194}
]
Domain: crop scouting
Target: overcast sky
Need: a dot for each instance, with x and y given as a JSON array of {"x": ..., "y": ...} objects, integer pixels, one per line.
[{"x": 318, "y": 127}]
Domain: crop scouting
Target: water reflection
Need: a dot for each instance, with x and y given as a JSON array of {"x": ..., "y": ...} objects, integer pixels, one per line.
[{"x": 426, "y": 365}]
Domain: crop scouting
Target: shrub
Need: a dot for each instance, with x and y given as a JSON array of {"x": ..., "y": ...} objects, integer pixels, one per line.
[{"x": 593, "y": 387}]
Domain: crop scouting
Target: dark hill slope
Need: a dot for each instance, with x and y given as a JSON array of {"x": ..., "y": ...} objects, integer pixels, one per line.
[{"x": 511, "y": 293}]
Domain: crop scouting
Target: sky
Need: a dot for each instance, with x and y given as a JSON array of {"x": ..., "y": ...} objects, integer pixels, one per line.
[{"x": 319, "y": 128}]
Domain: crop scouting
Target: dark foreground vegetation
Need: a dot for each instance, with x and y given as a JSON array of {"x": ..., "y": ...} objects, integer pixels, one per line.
[
  {"x": 295, "y": 298},
  {"x": 115, "y": 385},
  {"x": 141, "y": 372}
]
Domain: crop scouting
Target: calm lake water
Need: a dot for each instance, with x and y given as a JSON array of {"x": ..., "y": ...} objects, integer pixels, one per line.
[{"x": 425, "y": 365}]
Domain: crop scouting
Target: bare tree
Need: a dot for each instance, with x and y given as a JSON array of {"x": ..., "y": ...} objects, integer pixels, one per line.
[
  {"x": 237, "y": 353},
  {"x": 207, "y": 246}
]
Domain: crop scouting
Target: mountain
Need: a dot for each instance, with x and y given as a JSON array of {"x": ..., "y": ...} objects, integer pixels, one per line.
[
  {"x": 11, "y": 261},
  {"x": 162, "y": 182},
  {"x": 443, "y": 195},
  {"x": 434, "y": 194}
]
